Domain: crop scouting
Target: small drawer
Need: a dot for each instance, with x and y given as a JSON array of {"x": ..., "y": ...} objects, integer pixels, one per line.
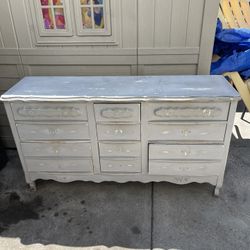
[
  {"x": 57, "y": 149},
  {"x": 187, "y": 131},
  {"x": 121, "y": 165},
  {"x": 117, "y": 112},
  {"x": 120, "y": 149},
  {"x": 184, "y": 168},
  {"x": 48, "y": 111},
  {"x": 118, "y": 131},
  {"x": 59, "y": 165},
  {"x": 187, "y": 111},
  {"x": 195, "y": 152},
  {"x": 33, "y": 132}
]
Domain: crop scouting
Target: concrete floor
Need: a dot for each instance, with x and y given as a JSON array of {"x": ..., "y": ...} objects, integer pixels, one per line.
[{"x": 129, "y": 216}]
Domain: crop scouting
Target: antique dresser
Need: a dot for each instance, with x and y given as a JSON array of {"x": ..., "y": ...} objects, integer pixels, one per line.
[{"x": 150, "y": 128}]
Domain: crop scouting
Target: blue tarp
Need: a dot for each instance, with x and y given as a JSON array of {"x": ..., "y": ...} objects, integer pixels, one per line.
[{"x": 233, "y": 46}]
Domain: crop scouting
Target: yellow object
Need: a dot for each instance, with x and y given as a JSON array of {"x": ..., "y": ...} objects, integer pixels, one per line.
[{"x": 236, "y": 14}]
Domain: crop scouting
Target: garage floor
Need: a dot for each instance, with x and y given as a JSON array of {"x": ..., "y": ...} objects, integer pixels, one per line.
[{"x": 129, "y": 216}]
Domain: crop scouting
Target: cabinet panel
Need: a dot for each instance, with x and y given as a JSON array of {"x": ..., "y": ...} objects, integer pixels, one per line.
[
  {"x": 121, "y": 165},
  {"x": 58, "y": 165},
  {"x": 187, "y": 132},
  {"x": 56, "y": 149},
  {"x": 184, "y": 168},
  {"x": 36, "y": 132},
  {"x": 186, "y": 152}
]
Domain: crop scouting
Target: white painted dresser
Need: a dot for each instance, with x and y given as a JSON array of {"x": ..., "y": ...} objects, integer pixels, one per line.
[{"x": 153, "y": 128}]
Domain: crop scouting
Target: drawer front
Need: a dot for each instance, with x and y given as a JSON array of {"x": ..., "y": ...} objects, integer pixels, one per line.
[
  {"x": 117, "y": 112},
  {"x": 120, "y": 149},
  {"x": 57, "y": 149},
  {"x": 118, "y": 132},
  {"x": 185, "y": 132},
  {"x": 49, "y": 111},
  {"x": 121, "y": 165},
  {"x": 184, "y": 168},
  {"x": 59, "y": 165},
  {"x": 53, "y": 131},
  {"x": 187, "y": 111},
  {"x": 195, "y": 152}
]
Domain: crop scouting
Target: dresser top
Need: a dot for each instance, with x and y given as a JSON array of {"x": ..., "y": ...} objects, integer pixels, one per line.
[{"x": 120, "y": 88}]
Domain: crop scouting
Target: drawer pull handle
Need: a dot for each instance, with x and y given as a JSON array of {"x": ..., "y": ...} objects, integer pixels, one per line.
[
  {"x": 185, "y": 132},
  {"x": 165, "y": 152},
  {"x": 165, "y": 132},
  {"x": 53, "y": 131},
  {"x": 118, "y": 131},
  {"x": 186, "y": 153}
]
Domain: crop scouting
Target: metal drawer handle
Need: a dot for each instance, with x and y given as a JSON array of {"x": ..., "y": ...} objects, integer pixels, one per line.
[
  {"x": 119, "y": 131},
  {"x": 186, "y": 153},
  {"x": 53, "y": 131},
  {"x": 185, "y": 132}
]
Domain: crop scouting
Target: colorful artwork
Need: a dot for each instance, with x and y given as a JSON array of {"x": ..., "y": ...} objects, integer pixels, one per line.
[
  {"x": 48, "y": 19},
  {"x": 92, "y": 11},
  {"x": 87, "y": 18},
  {"x": 59, "y": 18},
  {"x": 57, "y": 2},
  {"x": 45, "y": 2},
  {"x": 98, "y": 17}
]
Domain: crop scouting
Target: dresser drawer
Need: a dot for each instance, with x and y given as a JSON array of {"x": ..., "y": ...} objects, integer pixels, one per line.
[
  {"x": 117, "y": 112},
  {"x": 121, "y": 165},
  {"x": 184, "y": 168},
  {"x": 187, "y": 131},
  {"x": 120, "y": 149},
  {"x": 59, "y": 165},
  {"x": 79, "y": 131},
  {"x": 49, "y": 111},
  {"x": 118, "y": 131},
  {"x": 195, "y": 152},
  {"x": 57, "y": 149},
  {"x": 187, "y": 111}
]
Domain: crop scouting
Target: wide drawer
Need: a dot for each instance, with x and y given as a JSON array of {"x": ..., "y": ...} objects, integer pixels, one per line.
[
  {"x": 49, "y": 111},
  {"x": 62, "y": 149},
  {"x": 79, "y": 131},
  {"x": 187, "y": 131},
  {"x": 59, "y": 165},
  {"x": 118, "y": 131},
  {"x": 120, "y": 149},
  {"x": 121, "y": 165},
  {"x": 117, "y": 112},
  {"x": 195, "y": 152},
  {"x": 158, "y": 167},
  {"x": 187, "y": 111}
]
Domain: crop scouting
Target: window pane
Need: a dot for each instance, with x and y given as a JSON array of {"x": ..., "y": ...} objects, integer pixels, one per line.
[
  {"x": 85, "y": 2},
  {"x": 57, "y": 2},
  {"x": 47, "y": 18},
  {"x": 86, "y": 18},
  {"x": 45, "y": 2},
  {"x": 98, "y": 1},
  {"x": 59, "y": 17},
  {"x": 98, "y": 17}
]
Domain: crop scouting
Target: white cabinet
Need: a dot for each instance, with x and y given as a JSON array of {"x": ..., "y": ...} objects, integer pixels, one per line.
[{"x": 123, "y": 128}]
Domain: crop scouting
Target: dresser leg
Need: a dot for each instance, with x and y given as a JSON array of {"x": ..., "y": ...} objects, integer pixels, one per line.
[
  {"x": 216, "y": 191},
  {"x": 32, "y": 186}
]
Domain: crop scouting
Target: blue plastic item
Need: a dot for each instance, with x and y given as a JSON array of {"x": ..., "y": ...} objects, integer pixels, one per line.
[{"x": 233, "y": 45}]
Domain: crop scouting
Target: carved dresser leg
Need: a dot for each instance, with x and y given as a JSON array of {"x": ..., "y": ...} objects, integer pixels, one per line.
[
  {"x": 216, "y": 191},
  {"x": 32, "y": 186}
]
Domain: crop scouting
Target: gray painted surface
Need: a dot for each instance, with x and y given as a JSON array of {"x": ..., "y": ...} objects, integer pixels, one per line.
[{"x": 136, "y": 87}]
